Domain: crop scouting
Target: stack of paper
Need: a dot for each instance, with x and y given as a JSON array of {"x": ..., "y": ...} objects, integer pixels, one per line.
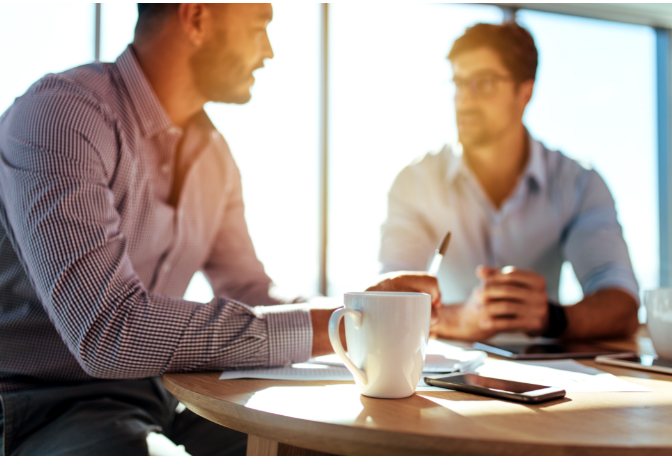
[
  {"x": 562, "y": 373},
  {"x": 441, "y": 358},
  {"x": 303, "y": 371}
]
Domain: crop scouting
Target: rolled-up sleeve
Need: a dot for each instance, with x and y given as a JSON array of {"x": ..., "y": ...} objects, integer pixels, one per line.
[
  {"x": 593, "y": 240},
  {"x": 56, "y": 167}
]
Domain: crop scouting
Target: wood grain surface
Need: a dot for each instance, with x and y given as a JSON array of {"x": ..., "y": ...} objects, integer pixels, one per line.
[{"x": 333, "y": 417}]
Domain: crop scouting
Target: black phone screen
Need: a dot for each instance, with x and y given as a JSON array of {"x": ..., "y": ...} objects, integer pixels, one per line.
[
  {"x": 647, "y": 360},
  {"x": 495, "y": 384}
]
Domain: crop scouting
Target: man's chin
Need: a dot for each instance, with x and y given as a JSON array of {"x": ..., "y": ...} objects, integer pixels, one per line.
[
  {"x": 234, "y": 98},
  {"x": 241, "y": 99},
  {"x": 472, "y": 138}
]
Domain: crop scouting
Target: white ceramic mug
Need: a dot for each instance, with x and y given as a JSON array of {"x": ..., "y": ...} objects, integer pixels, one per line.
[
  {"x": 659, "y": 320},
  {"x": 387, "y": 336}
]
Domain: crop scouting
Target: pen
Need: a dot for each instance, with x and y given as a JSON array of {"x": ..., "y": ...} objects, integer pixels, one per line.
[{"x": 438, "y": 255}]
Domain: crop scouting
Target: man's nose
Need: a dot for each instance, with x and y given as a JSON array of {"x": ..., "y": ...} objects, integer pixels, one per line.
[
  {"x": 464, "y": 99},
  {"x": 268, "y": 49}
]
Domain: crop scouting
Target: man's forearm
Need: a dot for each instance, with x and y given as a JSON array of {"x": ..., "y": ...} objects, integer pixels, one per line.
[{"x": 607, "y": 313}]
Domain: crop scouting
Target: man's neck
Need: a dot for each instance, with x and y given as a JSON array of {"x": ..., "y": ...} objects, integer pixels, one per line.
[
  {"x": 171, "y": 80},
  {"x": 498, "y": 164}
]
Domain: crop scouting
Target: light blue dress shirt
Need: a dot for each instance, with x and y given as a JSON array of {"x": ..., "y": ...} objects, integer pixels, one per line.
[{"x": 560, "y": 210}]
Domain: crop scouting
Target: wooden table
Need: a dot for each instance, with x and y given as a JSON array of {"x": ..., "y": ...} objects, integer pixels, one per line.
[{"x": 307, "y": 418}]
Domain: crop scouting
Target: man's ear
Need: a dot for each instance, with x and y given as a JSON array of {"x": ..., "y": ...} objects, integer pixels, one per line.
[
  {"x": 525, "y": 91},
  {"x": 193, "y": 19}
]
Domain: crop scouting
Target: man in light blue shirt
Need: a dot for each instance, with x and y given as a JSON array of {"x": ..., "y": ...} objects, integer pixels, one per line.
[{"x": 516, "y": 211}]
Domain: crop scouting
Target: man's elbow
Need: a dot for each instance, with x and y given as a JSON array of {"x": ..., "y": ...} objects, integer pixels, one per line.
[
  {"x": 107, "y": 366},
  {"x": 94, "y": 368},
  {"x": 631, "y": 322}
]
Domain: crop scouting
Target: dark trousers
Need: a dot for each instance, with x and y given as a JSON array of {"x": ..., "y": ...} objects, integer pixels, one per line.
[{"x": 106, "y": 418}]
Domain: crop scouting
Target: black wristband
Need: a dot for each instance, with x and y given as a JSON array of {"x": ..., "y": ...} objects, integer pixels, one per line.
[{"x": 557, "y": 321}]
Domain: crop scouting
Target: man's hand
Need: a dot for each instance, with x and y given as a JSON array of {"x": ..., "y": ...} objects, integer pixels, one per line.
[
  {"x": 513, "y": 300},
  {"x": 418, "y": 282},
  {"x": 507, "y": 300},
  {"x": 321, "y": 343}
]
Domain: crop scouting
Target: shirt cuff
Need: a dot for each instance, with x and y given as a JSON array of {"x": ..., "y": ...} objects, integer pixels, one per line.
[
  {"x": 612, "y": 277},
  {"x": 290, "y": 333}
]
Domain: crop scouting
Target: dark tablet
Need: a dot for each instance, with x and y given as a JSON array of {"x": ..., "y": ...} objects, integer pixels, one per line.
[{"x": 546, "y": 350}]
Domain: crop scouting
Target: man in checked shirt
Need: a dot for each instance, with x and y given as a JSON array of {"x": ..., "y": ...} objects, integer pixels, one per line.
[{"x": 115, "y": 189}]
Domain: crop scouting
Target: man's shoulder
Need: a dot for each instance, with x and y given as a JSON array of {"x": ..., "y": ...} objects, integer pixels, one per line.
[
  {"x": 572, "y": 180},
  {"x": 91, "y": 87},
  {"x": 557, "y": 160},
  {"x": 564, "y": 171},
  {"x": 431, "y": 165},
  {"x": 67, "y": 113}
]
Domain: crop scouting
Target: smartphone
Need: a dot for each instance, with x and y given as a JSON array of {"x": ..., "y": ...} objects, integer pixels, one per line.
[
  {"x": 642, "y": 362},
  {"x": 500, "y": 389}
]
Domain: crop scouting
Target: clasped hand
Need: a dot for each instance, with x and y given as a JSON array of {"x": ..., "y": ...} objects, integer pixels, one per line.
[{"x": 507, "y": 299}]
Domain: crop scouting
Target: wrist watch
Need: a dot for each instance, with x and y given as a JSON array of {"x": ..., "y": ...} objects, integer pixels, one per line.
[{"x": 557, "y": 321}]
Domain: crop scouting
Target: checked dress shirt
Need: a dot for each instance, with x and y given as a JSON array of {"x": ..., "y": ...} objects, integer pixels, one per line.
[{"x": 94, "y": 259}]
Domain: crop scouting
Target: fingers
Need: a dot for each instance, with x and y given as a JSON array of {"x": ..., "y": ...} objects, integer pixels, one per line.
[
  {"x": 502, "y": 316},
  {"x": 418, "y": 282},
  {"x": 525, "y": 323},
  {"x": 424, "y": 284},
  {"x": 513, "y": 309},
  {"x": 508, "y": 293},
  {"x": 504, "y": 309},
  {"x": 509, "y": 275}
]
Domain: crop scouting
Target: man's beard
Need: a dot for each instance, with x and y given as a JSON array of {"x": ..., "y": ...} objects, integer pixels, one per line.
[
  {"x": 473, "y": 136},
  {"x": 219, "y": 72}
]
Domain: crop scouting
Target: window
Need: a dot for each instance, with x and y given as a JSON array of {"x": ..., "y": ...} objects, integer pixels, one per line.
[
  {"x": 390, "y": 101},
  {"x": 595, "y": 100},
  {"x": 38, "y": 40},
  {"x": 117, "y": 26},
  {"x": 274, "y": 139}
]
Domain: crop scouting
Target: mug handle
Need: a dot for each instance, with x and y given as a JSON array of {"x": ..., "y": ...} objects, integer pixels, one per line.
[{"x": 335, "y": 339}]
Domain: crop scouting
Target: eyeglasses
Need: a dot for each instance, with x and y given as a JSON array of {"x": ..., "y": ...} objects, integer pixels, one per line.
[{"x": 483, "y": 86}]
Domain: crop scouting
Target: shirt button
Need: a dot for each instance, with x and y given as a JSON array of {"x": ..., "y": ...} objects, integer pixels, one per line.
[
  {"x": 166, "y": 267},
  {"x": 165, "y": 169},
  {"x": 174, "y": 130}
]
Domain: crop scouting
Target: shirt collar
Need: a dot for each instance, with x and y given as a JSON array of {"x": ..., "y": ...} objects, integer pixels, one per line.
[
  {"x": 151, "y": 114},
  {"x": 534, "y": 170}
]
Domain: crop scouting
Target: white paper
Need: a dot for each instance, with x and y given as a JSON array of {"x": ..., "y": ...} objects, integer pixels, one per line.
[
  {"x": 441, "y": 357},
  {"x": 306, "y": 372},
  {"x": 302, "y": 371},
  {"x": 563, "y": 373},
  {"x": 566, "y": 374},
  {"x": 444, "y": 357}
]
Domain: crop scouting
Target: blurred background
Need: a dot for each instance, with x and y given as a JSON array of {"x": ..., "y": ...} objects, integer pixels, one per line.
[{"x": 356, "y": 92}]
